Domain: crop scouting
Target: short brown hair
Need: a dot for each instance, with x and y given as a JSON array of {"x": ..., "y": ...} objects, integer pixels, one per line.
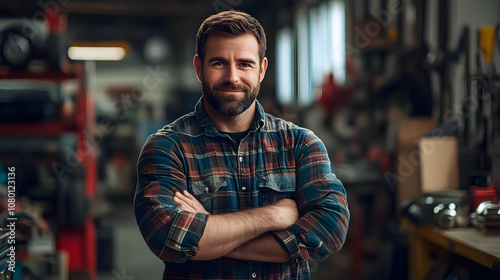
[{"x": 231, "y": 23}]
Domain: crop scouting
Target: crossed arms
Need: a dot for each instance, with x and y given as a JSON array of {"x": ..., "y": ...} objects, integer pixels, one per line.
[{"x": 244, "y": 234}]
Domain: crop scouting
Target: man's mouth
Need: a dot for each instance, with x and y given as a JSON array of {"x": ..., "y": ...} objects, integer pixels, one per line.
[{"x": 230, "y": 88}]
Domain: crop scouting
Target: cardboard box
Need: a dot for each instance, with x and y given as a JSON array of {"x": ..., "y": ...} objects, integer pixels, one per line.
[{"x": 438, "y": 163}]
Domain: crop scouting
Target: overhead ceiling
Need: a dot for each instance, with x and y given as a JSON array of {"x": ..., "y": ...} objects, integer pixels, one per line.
[
  {"x": 131, "y": 20},
  {"x": 137, "y": 21},
  {"x": 169, "y": 8}
]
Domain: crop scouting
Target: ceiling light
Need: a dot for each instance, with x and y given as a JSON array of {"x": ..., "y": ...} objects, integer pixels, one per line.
[
  {"x": 96, "y": 53},
  {"x": 115, "y": 50}
]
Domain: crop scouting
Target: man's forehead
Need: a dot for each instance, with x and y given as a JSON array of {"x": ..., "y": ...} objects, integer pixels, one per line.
[{"x": 245, "y": 44}]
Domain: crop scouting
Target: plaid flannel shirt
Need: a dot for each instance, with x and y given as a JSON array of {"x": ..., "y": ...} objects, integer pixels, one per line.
[{"x": 276, "y": 160}]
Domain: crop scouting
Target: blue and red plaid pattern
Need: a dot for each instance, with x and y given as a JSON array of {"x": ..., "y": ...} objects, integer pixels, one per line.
[{"x": 276, "y": 160}]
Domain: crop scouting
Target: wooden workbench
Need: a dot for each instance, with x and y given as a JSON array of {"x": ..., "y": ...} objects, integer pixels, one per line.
[{"x": 469, "y": 243}]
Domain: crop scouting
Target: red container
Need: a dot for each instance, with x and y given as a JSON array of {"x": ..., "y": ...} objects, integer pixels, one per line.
[{"x": 480, "y": 194}]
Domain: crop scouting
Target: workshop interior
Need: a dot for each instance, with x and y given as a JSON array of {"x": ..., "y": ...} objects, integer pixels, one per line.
[{"x": 405, "y": 95}]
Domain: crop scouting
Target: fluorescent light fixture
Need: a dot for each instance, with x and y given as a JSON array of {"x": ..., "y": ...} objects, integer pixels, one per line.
[
  {"x": 304, "y": 95},
  {"x": 337, "y": 40},
  {"x": 285, "y": 65},
  {"x": 96, "y": 53}
]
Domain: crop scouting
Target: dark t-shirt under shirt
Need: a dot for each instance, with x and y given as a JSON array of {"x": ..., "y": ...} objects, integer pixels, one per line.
[{"x": 237, "y": 136}]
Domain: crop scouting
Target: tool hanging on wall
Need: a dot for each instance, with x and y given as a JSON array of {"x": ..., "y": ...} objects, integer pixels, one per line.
[
  {"x": 411, "y": 89},
  {"x": 443, "y": 58},
  {"x": 465, "y": 47},
  {"x": 486, "y": 45},
  {"x": 486, "y": 97}
]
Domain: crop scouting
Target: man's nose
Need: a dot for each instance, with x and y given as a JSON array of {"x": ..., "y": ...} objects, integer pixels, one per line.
[{"x": 232, "y": 74}]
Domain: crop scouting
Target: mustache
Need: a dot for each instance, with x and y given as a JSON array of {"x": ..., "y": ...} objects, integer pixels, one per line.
[{"x": 231, "y": 86}]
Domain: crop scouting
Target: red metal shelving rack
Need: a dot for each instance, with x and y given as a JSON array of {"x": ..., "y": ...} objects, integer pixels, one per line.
[{"x": 80, "y": 244}]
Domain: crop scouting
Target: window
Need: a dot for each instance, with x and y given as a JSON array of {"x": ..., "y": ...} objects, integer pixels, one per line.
[
  {"x": 336, "y": 23},
  {"x": 320, "y": 41},
  {"x": 285, "y": 59},
  {"x": 304, "y": 95}
]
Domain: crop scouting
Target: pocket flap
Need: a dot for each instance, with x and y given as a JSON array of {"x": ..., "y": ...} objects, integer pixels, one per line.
[
  {"x": 205, "y": 188},
  {"x": 280, "y": 182}
]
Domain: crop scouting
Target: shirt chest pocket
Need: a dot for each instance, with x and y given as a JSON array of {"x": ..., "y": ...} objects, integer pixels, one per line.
[
  {"x": 275, "y": 186},
  {"x": 205, "y": 190}
]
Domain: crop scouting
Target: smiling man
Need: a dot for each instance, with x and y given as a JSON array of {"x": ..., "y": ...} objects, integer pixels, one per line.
[{"x": 228, "y": 191}]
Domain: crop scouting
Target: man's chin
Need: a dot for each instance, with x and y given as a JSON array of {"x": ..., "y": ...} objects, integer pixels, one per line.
[{"x": 231, "y": 110}]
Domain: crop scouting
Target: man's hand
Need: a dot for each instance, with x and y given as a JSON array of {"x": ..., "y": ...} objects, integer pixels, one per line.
[{"x": 189, "y": 203}]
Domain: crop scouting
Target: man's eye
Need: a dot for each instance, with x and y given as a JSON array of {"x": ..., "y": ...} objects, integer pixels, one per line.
[
  {"x": 218, "y": 63},
  {"x": 245, "y": 65}
]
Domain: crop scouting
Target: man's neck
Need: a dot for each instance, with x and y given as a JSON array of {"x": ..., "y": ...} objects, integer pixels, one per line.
[{"x": 227, "y": 123}]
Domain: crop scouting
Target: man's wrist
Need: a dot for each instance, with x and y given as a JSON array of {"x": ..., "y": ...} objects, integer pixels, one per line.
[{"x": 262, "y": 249}]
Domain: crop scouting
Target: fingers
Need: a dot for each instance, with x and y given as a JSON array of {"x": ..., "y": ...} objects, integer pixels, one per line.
[
  {"x": 188, "y": 195},
  {"x": 181, "y": 201},
  {"x": 188, "y": 202},
  {"x": 184, "y": 205},
  {"x": 180, "y": 196}
]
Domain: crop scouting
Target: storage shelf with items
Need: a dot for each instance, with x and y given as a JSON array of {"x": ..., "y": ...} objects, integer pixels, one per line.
[{"x": 51, "y": 112}]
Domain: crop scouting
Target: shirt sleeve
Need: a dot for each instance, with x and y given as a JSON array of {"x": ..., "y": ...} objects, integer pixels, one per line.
[
  {"x": 172, "y": 234},
  {"x": 322, "y": 203}
]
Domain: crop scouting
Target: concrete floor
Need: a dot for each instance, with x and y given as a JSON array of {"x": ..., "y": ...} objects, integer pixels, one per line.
[{"x": 132, "y": 258}]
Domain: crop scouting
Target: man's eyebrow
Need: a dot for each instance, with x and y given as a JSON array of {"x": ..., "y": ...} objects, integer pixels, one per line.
[
  {"x": 247, "y": 60},
  {"x": 240, "y": 60},
  {"x": 217, "y": 58}
]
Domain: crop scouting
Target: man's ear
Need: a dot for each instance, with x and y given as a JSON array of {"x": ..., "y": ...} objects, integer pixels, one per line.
[
  {"x": 197, "y": 66},
  {"x": 263, "y": 68}
]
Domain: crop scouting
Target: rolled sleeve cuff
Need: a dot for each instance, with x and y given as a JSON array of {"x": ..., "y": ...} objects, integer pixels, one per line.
[
  {"x": 185, "y": 234},
  {"x": 291, "y": 245}
]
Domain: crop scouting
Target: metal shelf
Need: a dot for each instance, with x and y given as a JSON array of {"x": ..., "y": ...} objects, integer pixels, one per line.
[
  {"x": 45, "y": 75},
  {"x": 79, "y": 243},
  {"x": 35, "y": 129}
]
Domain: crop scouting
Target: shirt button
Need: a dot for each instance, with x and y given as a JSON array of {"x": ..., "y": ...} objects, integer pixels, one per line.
[
  {"x": 243, "y": 188},
  {"x": 207, "y": 189},
  {"x": 241, "y": 159},
  {"x": 254, "y": 275}
]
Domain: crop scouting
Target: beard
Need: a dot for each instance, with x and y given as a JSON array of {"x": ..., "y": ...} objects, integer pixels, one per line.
[{"x": 229, "y": 104}]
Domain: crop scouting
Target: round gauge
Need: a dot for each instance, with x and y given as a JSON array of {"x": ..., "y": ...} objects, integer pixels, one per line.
[{"x": 16, "y": 49}]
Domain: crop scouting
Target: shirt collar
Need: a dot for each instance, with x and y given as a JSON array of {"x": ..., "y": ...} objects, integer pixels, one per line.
[{"x": 210, "y": 130}]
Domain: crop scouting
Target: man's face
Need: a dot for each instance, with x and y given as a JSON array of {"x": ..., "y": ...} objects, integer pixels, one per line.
[{"x": 230, "y": 73}]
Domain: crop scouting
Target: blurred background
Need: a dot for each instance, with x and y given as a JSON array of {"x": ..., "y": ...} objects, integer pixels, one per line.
[{"x": 404, "y": 94}]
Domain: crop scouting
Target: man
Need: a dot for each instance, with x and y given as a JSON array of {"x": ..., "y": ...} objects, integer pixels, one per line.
[{"x": 228, "y": 191}]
